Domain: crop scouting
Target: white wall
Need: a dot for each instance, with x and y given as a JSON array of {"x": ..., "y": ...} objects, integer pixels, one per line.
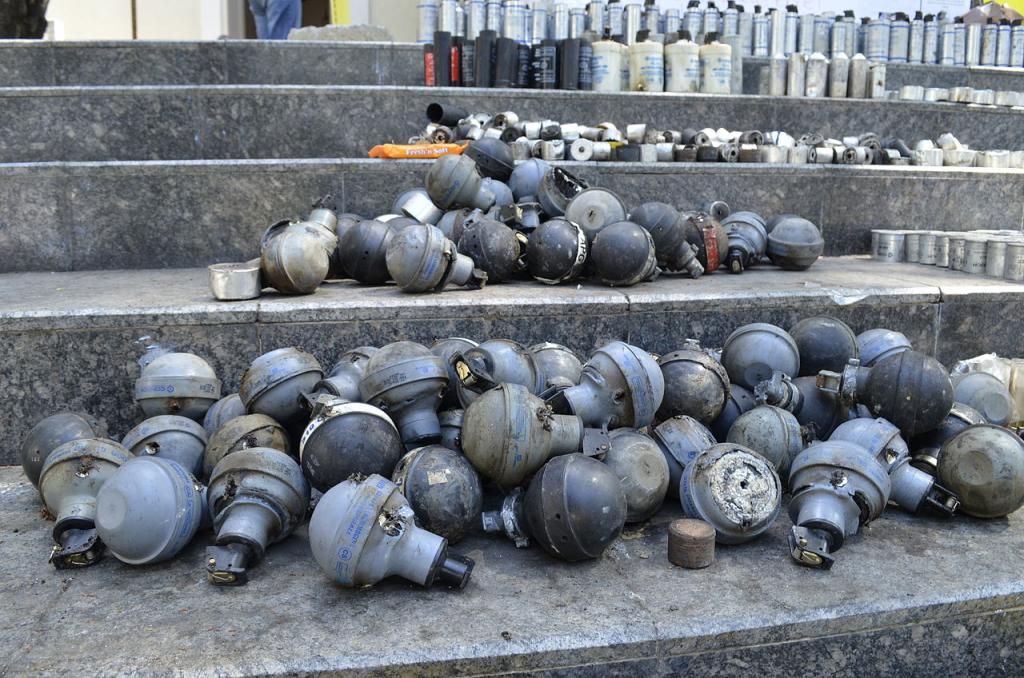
[{"x": 154, "y": 19}]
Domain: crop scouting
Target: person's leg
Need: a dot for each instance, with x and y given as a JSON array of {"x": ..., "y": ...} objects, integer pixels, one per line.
[
  {"x": 282, "y": 16},
  {"x": 259, "y": 15}
]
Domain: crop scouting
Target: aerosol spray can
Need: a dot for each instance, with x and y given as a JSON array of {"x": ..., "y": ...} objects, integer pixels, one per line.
[
  {"x": 972, "y": 43},
  {"x": 693, "y": 19},
  {"x": 711, "y": 20},
  {"x": 796, "y": 71},
  {"x": 1003, "y": 46},
  {"x": 791, "y": 29},
  {"x": 930, "y": 54},
  {"x": 731, "y": 19},
  {"x": 960, "y": 42},
  {"x": 682, "y": 65},
  {"x": 652, "y": 17},
  {"x": 631, "y": 21},
  {"x": 899, "y": 38},
  {"x": 426, "y": 12},
  {"x": 673, "y": 21},
  {"x": 837, "y": 41},
  {"x": 878, "y": 39},
  {"x": 595, "y": 17},
  {"x": 947, "y": 44},
  {"x": 989, "y": 38},
  {"x": 851, "y": 33},
  {"x": 762, "y": 33},
  {"x": 816, "y": 75},
  {"x": 838, "y": 76},
  {"x": 805, "y": 41},
  {"x": 777, "y": 20},
  {"x": 822, "y": 31},
  {"x": 494, "y": 16},
  {"x": 560, "y": 21},
  {"x": 915, "y": 51},
  {"x": 614, "y": 18},
  {"x": 1017, "y": 44},
  {"x": 577, "y": 22},
  {"x": 538, "y": 25},
  {"x": 746, "y": 28},
  {"x": 716, "y": 65}
]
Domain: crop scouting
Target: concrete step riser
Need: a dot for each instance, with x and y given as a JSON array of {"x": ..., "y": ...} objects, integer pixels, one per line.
[
  {"x": 167, "y": 215},
  {"x": 84, "y": 357},
  {"x": 152, "y": 123},
  {"x": 248, "y": 62}
]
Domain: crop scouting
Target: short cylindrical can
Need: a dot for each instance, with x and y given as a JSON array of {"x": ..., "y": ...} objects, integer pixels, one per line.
[
  {"x": 426, "y": 11},
  {"x": 995, "y": 258},
  {"x": 956, "y": 251},
  {"x": 942, "y": 249},
  {"x": 1014, "y": 267},
  {"x": 975, "y": 254},
  {"x": 691, "y": 543},
  {"x": 887, "y": 245},
  {"x": 927, "y": 248},
  {"x": 912, "y": 247}
]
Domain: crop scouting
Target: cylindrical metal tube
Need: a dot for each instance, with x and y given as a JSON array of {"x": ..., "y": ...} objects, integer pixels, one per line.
[
  {"x": 912, "y": 247},
  {"x": 972, "y": 44},
  {"x": 822, "y": 29},
  {"x": 514, "y": 22},
  {"x": 539, "y": 25},
  {"x": 762, "y": 36},
  {"x": 947, "y": 45},
  {"x": 805, "y": 34},
  {"x": 989, "y": 38},
  {"x": 821, "y": 155},
  {"x": 426, "y": 13},
  {"x": 798, "y": 154},
  {"x": 912, "y": 93},
  {"x": 995, "y": 258},
  {"x": 887, "y": 245},
  {"x": 1003, "y": 46},
  {"x": 930, "y": 50},
  {"x": 673, "y": 22},
  {"x": 956, "y": 251},
  {"x": 1017, "y": 46},
  {"x": 595, "y": 17},
  {"x": 1014, "y": 268},
  {"x": 632, "y": 16},
  {"x": 494, "y": 15},
  {"x": 796, "y": 71},
  {"x": 777, "y": 22},
  {"x": 942, "y": 249},
  {"x": 577, "y": 22},
  {"x": 975, "y": 254},
  {"x": 877, "y": 48},
  {"x": 927, "y": 248}
]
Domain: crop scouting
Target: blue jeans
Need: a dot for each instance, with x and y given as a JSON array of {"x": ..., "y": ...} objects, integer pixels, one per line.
[{"x": 274, "y": 18}]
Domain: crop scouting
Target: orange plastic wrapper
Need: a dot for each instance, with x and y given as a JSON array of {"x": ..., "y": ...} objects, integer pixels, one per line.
[{"x": 414, "y": 151}]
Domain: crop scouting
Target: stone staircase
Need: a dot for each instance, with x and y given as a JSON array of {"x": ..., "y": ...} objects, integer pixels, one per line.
[{"x": 126, "y": 168}]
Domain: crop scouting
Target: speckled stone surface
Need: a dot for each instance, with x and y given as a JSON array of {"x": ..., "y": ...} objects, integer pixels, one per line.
[
  {"x": 111, "y": 123},
  {"x": 72, "y": 339},
  {"x": 897, "y": 75},
  {"x": 143, "y": 215},
  {"x": 752, "y": 612},
  {"x": 34, "y": 63}
]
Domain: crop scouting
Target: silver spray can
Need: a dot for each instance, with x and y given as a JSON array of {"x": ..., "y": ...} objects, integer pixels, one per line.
[
  {"x": 1017, "y": 44},
  {"x": 947, "y": 44},
  {"x": 577, "y": 22},
  {"x": 560, "y": 21},
  {"x": 652, "y": 19},
  {"x": 446, "y": 16},
  {"x": 595, "y": 17},
  {"x": 796, "y": 71},
  {"x": 762, "y": 35},
  {"x": 693, "y": 18},
  {"x": 851, "y": 33},
  {"x": 476, "y": 18},
  {"x": 805, "y": 37},
  {"x": 745, "y": 22},
  {"x": 426, "y": 14},
  {"x": 712, "y": 20},
  {"x": 777, "y": 20},
  {"x": 494, "y": 16},
  {"x": 816, "y": 75},
  {"x": 632, "y": 16},
  {"x": 959, "y": 43},
  {"x": 838, "y": 75},
  {"x": 731, "y": 19},
  {"x": 972, "y": 42},
  {"x": 1003, "y": 38},
  {"x": 538, "y": 25},
  {"x": 837, "y": 41},
  {"x": 614, "y": 19},
  {"x": 514, "y": 22},
  {"x": 822, "y": 31},
  {"x": 673, "y": 21},
  {"x": 878, "y": 39},
  {"x": 930, "y": 53},
  {"x": 989, "y": 37},
  {"x": 899, "y": 39},
  {"x": 777, "y": 76},
  {"x": 792, "y": 28},
  {"x": 857, "y": 81},
  {"x": 915, "y": 53}
]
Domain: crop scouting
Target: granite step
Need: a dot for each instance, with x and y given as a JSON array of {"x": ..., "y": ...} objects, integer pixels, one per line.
[
  {"x": 34, "y": 63},
  {"x": 174, "y": 214},
  {"x": 909, "y": 597},
  {"x": 289, "y": 121},
  {"x": 71, "y": 340}
]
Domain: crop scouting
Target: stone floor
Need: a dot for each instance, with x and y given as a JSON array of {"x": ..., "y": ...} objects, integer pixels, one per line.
[{"x": 910, "y": 596}]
